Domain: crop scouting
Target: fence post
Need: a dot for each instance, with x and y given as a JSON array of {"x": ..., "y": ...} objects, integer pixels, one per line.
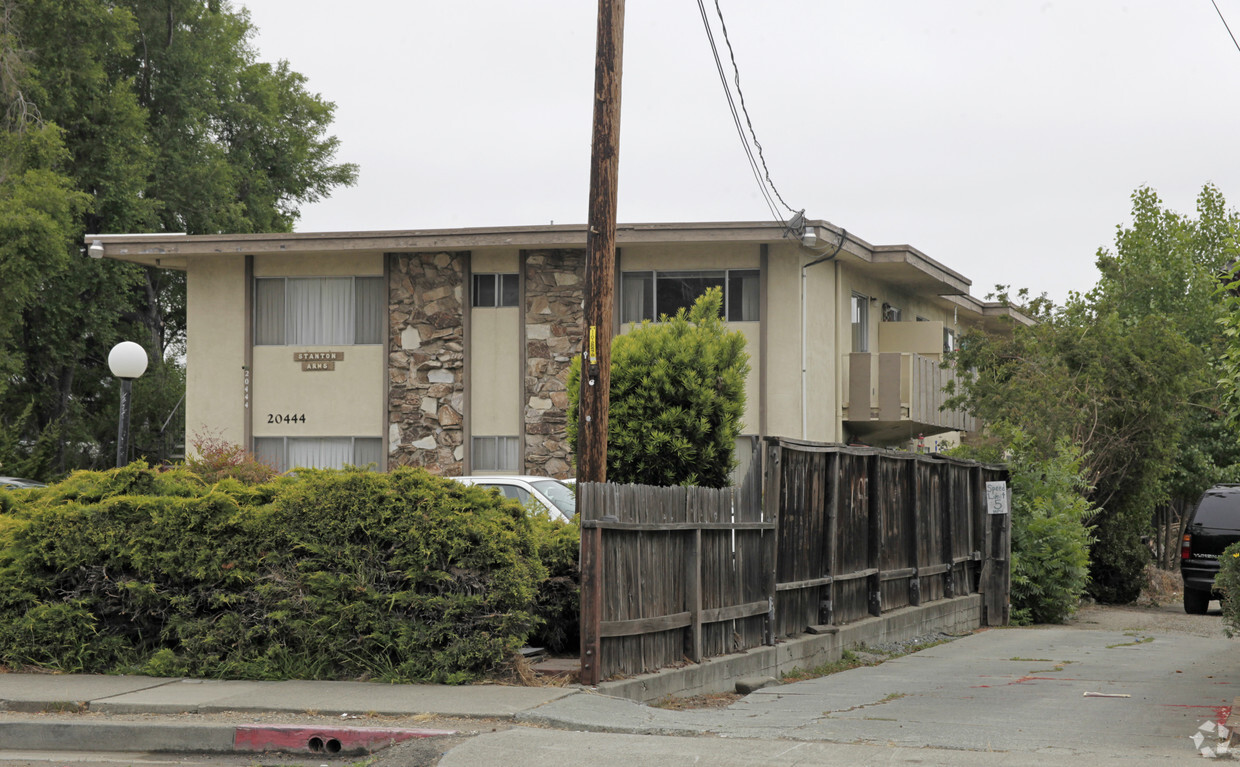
[
  {"x": 948, "y": 505},
  {"x": 772, "y": 490},
  {"x": 995, "y": 584},
  {"x": 591, "y": 591},
  {"x": 914, "y": 586},
  {"x": 694, "y": 592},
  {"x": 832, "y": 542},
  {"x": 874, "y": 507}
]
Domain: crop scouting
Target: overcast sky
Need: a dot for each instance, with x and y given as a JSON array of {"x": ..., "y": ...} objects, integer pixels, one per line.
[{"x": 1002, "y": 139}]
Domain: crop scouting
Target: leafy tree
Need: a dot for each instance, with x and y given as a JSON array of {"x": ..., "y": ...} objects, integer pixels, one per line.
[
  {"x": 677, "y": 397},
  {"x": 1124, "y": 372},
  {"x": 137, "y": 117}
]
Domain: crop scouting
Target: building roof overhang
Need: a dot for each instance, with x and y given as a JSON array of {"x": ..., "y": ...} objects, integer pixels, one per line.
[{"x": 901, "y": 265}]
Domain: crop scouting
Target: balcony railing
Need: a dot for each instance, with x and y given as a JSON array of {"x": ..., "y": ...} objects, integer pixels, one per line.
[{"x": 903, "y": 391}]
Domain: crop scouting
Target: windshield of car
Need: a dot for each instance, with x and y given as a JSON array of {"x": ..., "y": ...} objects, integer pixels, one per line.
[{"x": 559, "y": 494}]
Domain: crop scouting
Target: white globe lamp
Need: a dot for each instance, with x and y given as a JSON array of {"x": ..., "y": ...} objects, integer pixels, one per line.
[{"x": 127, "y": 361}]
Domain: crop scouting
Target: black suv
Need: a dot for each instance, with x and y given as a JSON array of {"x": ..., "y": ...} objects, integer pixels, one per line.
[{"x": 1214, "y": 525}]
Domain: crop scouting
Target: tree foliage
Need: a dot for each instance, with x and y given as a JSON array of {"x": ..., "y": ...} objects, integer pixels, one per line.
[
  {"x": 1124, "y": 372},
  {"x": 129, "y": 116},
  {"x": 677, "y": 398}
]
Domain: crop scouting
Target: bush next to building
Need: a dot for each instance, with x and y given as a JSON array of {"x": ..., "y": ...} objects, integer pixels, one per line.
[
  {"x": 677, "y": 397},
  {"x": 329, "y": 575}
]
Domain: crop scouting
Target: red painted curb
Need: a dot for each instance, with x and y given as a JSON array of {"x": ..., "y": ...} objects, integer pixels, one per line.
[{"x": 297, "y": 738}]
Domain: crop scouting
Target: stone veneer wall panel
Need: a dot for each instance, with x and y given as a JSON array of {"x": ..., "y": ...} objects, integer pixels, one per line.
[
  {"x": 554, "y": 328},
  {"x": 426, "y": 361}
]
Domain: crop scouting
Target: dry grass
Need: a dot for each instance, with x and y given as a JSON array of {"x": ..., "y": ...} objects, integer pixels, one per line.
[
  {"x": 1161, "y": 587},
  {"x": 710, "y": 700},
  {"x": 519, "y": 672}
]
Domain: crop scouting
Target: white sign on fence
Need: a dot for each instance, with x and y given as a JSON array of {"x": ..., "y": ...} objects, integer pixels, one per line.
[{"x": 997, "y": 501}]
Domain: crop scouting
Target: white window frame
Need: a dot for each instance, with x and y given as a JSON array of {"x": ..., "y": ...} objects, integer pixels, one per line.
[{"x": 860, "y": 308}]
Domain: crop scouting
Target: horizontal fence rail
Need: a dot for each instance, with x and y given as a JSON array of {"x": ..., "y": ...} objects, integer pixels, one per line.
[{"x": 817, "y": 536}]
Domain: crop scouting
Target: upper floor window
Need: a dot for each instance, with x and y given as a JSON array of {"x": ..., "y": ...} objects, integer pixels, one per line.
[
  {"x": 650, "y": 295},
  {"x": 319, "y": 311},
  {"x": 949, "y": 340},
  {"x": 496, "y": 290},
  {"x": 891, "y": 313},
  {"x": 860, "y": 323}
]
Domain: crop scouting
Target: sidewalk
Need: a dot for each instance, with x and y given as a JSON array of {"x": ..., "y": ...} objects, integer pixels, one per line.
[{"x": 126, "y": 695}]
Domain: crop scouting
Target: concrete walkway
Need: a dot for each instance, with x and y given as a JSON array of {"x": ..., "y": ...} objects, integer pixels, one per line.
[{"x": 1048, "y": 693}]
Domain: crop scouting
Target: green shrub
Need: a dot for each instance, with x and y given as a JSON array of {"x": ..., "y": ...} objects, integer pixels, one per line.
[
  {"x": 1050, "y": 532},
  {"x": 330, "y": 575},
  {"x": 1117, "y": 560},
  {"x": 677, "y": 397},
  {"x": 558, "y": 604},
  {"x": 1228, "y": 583}
]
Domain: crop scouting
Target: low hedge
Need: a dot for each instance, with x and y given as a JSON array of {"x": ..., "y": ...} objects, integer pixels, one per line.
[{"x": 330, "y": 575}]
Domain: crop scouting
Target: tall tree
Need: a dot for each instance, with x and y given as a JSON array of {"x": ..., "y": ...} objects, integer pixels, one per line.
[
  {"x": 1125, "y": 371},
  {"x": 168, "y": 122}
]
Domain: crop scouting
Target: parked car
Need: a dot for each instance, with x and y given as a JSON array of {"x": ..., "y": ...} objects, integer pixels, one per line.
[
  {"x": 552, "y": 494},
  {"x": 15, "y": 483},
  {"x": 1213, "y": 526}
]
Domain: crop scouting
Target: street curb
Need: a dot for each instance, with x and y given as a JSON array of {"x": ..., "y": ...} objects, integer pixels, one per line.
[{"x": 207, "y": 738}]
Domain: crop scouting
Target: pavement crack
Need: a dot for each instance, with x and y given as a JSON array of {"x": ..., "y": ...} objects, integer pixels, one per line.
[{"x": 890, "y": 698}]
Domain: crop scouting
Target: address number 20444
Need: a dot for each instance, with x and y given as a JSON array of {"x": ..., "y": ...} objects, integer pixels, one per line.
[{"x": 286, "y": 418}]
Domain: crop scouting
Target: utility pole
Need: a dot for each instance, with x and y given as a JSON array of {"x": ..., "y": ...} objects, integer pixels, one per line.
[{"x": 600, "y": 286}]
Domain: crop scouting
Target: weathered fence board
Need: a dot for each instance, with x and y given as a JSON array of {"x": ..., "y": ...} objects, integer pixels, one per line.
[{"x": 817, "y": 536}]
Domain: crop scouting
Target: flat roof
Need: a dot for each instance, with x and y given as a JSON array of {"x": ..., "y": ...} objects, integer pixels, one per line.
[{"x": 902, "y": 265}]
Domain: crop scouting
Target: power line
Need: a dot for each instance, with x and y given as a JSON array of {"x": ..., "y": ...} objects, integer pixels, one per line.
[
  {"x": 735, "y": 118},
  {"x": 741, "y": 95},
  {"x": 1225, "y": 25}
]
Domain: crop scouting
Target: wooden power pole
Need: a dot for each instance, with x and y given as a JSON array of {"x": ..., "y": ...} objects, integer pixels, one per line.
[{"x": 601, "y": 247}]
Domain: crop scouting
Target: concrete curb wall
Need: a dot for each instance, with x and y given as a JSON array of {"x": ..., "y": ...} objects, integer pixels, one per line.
[
  {"x": 960, "y": 615},
  {"x": 207, "y": 738}
]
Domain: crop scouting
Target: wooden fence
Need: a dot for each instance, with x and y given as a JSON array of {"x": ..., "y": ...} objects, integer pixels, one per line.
[{"x": 817, "y": 536}]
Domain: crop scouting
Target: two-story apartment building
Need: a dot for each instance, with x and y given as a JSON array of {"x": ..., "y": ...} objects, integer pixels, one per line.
[{"x": 449, "y": 349}]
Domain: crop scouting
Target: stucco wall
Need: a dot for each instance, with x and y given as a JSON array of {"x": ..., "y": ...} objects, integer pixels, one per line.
[
  {"x": 344, "y": 402},
  {"x": 216, "y": 334},
  {"x": 494, "y": 349}
]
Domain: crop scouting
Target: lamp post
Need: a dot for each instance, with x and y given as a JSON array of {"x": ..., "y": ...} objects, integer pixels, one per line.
[{"x": 127, "y": 361}]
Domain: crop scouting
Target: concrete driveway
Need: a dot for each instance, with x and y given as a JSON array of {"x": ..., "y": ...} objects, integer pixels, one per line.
[{"x": 1005, "y": 696}]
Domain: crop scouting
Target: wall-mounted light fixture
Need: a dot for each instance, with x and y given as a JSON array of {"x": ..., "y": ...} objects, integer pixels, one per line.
[{"x": 96, "y": 249}]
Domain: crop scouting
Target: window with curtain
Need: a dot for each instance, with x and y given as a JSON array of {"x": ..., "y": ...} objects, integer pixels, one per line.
[
  {"x": 285, "y": 453},
  {"x": 496, "y": 454},
  {"x": 319, "y": 311},
  {"x": 650, "y": 295}
]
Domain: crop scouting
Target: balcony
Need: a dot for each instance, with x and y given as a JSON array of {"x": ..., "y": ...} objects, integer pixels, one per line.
[{"x": 893, "y": 396}]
